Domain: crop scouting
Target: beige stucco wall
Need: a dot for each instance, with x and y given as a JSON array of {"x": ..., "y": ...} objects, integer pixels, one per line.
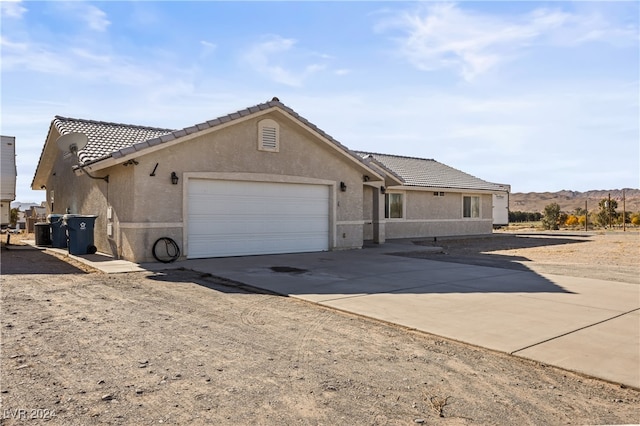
[
  {"x": 429, "y": 216},
  {"x": 83, "y": 195}
]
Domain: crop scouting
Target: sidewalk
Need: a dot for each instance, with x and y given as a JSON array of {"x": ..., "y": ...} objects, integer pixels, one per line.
[{"x": 99, "y": 261}]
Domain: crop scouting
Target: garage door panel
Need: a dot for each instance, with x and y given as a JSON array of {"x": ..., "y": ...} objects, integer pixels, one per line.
[{"x": 228, "y": 218}]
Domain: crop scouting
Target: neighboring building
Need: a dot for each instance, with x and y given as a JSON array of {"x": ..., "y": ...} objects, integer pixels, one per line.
[
  {"x": 501, "y": 207},
  {"x": 8, "y": 178},
  {"x": 257, "y": 181},
  {"x": 34, "y": 215}
]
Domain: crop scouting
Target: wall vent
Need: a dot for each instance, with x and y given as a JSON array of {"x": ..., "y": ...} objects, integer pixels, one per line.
[{"x": 268, "y": 136}]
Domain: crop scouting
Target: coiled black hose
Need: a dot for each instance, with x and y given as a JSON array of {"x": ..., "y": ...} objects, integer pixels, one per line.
[{"x": 165, "y": 250}]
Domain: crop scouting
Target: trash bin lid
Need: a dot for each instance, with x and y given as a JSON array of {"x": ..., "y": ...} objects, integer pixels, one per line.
[
  {"x": 69, "y": 216},
  {"x": 54, "y": 218}
]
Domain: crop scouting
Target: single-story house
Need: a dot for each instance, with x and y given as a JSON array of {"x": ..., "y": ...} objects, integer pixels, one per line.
[{"x": 257, "y": 181}]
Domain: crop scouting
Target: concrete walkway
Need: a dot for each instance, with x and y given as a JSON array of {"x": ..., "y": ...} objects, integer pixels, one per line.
[{"x": 585, "y": 325}]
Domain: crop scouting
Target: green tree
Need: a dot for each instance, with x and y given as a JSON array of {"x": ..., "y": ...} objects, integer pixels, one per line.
[
  {"x": 551, "y": 216},
  {"x": 607, "y": 210},
  {"x": 579, "y": 211},
  {"x": 13, "y": 217}
]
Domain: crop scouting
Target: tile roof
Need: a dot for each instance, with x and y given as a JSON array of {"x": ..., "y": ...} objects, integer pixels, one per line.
[
  {"x": 117, "y": 140},
  {"x": 430, "y": 173},
  {"x": 105, "y": 138}
]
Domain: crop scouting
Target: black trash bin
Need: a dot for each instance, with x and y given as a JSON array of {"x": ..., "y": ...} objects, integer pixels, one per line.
[
  {"x": 58, "y": 233},
  {"x": 43, "y": 234},
  {"x": 80, "y": 231}
]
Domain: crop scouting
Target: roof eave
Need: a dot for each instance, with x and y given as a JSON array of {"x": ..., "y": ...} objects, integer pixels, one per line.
[
  {"x": 448, "y": 189},
  {"x": 46, "y": 161},
  {"x": 192, "y": 132},
  {"x": 391, "y": 178}
]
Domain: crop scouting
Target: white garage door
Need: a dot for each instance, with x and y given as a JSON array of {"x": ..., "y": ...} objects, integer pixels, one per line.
[{"x": 236, "y": 218}]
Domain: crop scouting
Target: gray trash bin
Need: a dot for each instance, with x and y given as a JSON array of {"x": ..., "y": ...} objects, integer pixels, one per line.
[
  {"x": 43, "y": 234},
  {"x": 80, "y": 231},
  {"x": 58, "y": 233}
]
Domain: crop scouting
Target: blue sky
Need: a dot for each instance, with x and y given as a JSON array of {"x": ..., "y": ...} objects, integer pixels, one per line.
[{"x": 540, "y": 95}]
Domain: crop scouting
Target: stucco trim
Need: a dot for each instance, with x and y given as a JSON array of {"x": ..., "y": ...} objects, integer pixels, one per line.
[
  {"x": 254, "y": 177},
  {"x": 350, "y": 222},
  {"x": 149, "y": 225},
  {"x": 443, "y": 220}
]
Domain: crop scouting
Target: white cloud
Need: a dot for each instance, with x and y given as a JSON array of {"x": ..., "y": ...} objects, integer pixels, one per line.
[
  {"x": 24, "y": 56},
  {"x": 274, "y": 55},
  {"x": 93, "y": 17},
  {"x": 12, "y": 8},
  {"x": 445, "y": 36},
  {"x": 77, "y": 63},
  {"x": 207, "y": 48},
  {"x": 261, "y": 57}
]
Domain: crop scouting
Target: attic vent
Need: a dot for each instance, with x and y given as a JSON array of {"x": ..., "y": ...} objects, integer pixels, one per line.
[
  {"x": 269, "y": 140},
  {"x": 268, "y": 136}
]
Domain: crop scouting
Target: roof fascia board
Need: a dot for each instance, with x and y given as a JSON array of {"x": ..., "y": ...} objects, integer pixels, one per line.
[
  {"x": 391, "y": 177},
  {"x": 47, "y": 160},
  {"x": 445, "y": 189},
  {"x": 111, "y": 161}
]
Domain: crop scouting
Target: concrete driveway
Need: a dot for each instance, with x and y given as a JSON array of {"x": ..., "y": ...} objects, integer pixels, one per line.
[{"x": 585, "y": 325}]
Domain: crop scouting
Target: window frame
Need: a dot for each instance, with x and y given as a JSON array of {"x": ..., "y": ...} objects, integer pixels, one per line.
[
  {"x": 477, "y": 210},
  {"x": 387, "y": 205}
]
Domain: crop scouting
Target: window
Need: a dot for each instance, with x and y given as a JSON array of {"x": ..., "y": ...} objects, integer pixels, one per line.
[
  {"x": 438, "y": 194},
  {"x": 393, "y": 208},
  {"x": 470, "y": 206},
  {"x": 268, "y": 136}
]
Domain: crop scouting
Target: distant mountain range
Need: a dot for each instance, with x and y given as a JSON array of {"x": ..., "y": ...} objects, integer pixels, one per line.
[
  {"x": 570, "y": 200},
  {"x": 24, "y": 206}
]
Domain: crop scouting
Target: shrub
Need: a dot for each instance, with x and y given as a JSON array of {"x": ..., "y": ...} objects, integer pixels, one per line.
[
  {"x": 551, "y": 216},
  {"x": 572, "y": 220}
]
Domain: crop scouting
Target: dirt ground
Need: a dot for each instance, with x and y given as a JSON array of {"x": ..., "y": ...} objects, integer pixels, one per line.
[
  {"x": 179, "y": 348},
  {"x": 613, "y": 256}
]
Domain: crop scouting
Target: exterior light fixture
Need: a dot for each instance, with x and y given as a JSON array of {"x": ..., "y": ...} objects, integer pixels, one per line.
[
  {"x": 383, "y": 190},
  {"x": 343, "y": 187},
  {"x": 174, "y": 178}
]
